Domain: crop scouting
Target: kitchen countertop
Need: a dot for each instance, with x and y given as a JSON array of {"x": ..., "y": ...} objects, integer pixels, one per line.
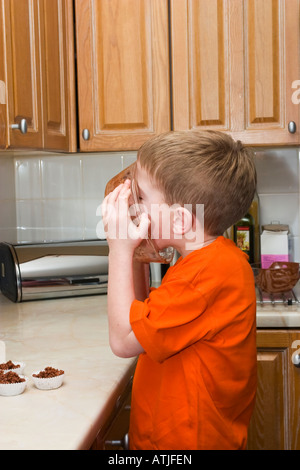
[
  {"x": 279, "y": 315},
  {"x": 70, "y": 334}
]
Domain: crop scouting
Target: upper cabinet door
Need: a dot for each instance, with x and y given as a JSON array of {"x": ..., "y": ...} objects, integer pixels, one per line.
[
  {"x": 234, "y": 62},
  {"x": 39, "y": 40},
  {"x": 271, "y": 65},
  {"x": 23, "y": 72},
  {"x": 200, "y": 64},
  {"x": 123, "y": 72},
  {"x": 58, "y": 74}
]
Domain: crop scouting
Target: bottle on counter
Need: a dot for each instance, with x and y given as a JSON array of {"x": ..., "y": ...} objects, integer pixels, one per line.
[{"x": 243, "y": 235}]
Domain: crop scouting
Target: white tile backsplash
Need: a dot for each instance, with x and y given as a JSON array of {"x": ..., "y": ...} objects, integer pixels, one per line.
[
  {"x": 278, "y": 186},
  {"x": 127, "y": 159},
  {"x": 63, "y": 219},
  {"x": 8, "y": 218},
  {"x": 45, "y": 196},
  {"x": 61, "y": 177},
  {"x": 93, "y": 226},
  {"x": 30, "y": 220},
  {"x": 277, "y": 171},
  {"x": 56, "y": 195},
  {"x": 7, "y": 176},
  {"x": 97, "y": 170},
  {"x": 28, "y": 178},
  {"x": 282, "y": 208}
]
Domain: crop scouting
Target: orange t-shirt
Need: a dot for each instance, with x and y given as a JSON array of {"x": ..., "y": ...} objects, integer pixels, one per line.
[{"x": 195, "y": 384}]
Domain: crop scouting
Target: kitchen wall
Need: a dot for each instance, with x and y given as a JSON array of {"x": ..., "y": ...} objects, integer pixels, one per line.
[
  {"x": 8, "y": 219},
  {"x": 57, "y": 195},
  {"x": 279, "y": 190},
  {"x": 47, "y": 196}
]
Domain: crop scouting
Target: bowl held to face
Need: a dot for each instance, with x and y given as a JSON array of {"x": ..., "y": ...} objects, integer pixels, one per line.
[{"x": 147, "y": 251}]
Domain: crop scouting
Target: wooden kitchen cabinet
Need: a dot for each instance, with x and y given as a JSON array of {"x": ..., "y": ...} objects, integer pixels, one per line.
[
  {"x": 40, "y": 73},
  {"x": 123, "y": 72},
  {"x": 233, "y": 66},
  {"x": 58, "y": 74},
  {"x": 275, "y": 424},
  {"x": 22, "y": 72},
  {"x": 149, "y": 66}
]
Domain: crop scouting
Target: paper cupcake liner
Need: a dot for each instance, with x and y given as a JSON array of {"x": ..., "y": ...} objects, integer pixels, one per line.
[
  {"x": 13, "y": 389},
  {"x": 47, "y": 383},
  {"x": 17, "y": 370}
]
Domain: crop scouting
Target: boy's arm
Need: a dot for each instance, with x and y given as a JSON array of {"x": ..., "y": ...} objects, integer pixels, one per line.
[
  {"x": 141, "y": 273},
  {"x": 122, "y": 273},
  {"x": 121, "y": 294}
]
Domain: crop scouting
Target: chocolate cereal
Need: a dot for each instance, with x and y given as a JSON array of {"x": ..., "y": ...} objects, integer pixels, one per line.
[
  {"x": 48, "y": 373},
  {"x": 8, "y": 365},
  {"x": 10, "y": 378}
]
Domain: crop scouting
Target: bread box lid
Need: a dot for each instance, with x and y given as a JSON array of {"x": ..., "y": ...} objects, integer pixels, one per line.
[{"x": 276, "y": 227}]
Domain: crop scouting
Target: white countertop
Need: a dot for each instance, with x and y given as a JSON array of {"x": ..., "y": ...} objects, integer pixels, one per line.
[
  {"x": 70, "y": 334},
  {"x": 279, "y": 315}
]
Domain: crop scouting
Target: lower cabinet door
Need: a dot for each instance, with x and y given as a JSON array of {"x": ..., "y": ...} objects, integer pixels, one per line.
[{"x": 275, "y": 421}]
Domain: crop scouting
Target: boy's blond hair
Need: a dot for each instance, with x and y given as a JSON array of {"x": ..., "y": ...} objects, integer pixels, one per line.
[{"x": 202, "y": 167}]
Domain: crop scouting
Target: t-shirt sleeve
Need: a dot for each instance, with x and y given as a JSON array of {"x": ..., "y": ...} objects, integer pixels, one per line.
[{"x": 170, "y": 320}]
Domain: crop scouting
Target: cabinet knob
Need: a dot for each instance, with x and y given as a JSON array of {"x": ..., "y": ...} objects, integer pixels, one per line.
[
  {"x": 292, "y": 127},
  {"x": 85, "y": 134},
  {"x": 22, "y": 126},
  {"x": 296, "y": 359},
  {"x": 124, "y": 443}
]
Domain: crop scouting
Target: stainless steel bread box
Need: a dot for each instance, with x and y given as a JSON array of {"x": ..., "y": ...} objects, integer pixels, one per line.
[{"x": 52, "y": 270}]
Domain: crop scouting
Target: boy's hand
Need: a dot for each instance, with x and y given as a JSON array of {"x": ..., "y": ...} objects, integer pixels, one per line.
[{"x": 120, "y": 230}]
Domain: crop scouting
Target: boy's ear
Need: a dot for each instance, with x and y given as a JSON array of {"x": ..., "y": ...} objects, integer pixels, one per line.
[{"x": 182, "y": 220}]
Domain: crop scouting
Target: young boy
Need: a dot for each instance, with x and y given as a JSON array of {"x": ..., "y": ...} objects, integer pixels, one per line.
[{"x": 195, "y": 381}]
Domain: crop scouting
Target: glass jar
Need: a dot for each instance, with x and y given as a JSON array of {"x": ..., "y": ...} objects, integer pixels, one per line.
[{"x": 147, "y": 251}]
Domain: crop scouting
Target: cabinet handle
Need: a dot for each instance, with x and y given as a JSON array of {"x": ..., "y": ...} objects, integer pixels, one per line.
[
  {"x": 22, "y": 126},
  {"x": 124, "y": 443},
  {"x": 292, "y": 127},
  {"x": 296, "y": 359},
  {"x": 85, "y": 134}
]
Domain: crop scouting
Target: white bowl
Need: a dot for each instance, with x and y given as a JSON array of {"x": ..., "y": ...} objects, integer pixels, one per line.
[
  {"x": 9, "y": 390},
  {"x": 47, "y": 383},
  {"x": 17, "y": 370}
]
